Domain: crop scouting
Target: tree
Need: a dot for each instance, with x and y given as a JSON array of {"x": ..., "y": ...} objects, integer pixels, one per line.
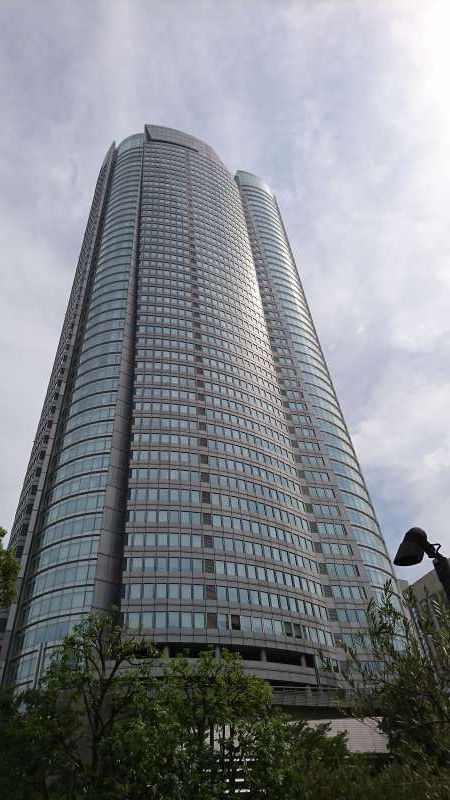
[
  {"x": 22, "y": 761},
  {"x": 233, "y": 736},
  {"x": 111, "y": 721},
  {"x": 105, "y": 723},
  {"x": 90, "y": 687},
  {"x": 407, "y": 689},
  {"x": 9, "y": 570},
  {"x": 281, "y": 755},
  {"x": 190, "y": 730}
]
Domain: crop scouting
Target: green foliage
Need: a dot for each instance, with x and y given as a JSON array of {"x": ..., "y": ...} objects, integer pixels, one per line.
[
  {"x": 18, "y": 777},
  {"x": 98, "y": 677},
  {"x": 185, "y": 739},
  {"x": 112, "y": 721},
  {"x": 9, "y": 570},
  {"x": 282, "y": 756},
  {"x": 408, "y": 693}
]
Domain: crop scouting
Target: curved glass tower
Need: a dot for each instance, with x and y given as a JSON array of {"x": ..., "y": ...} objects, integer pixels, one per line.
[{"x": 192, "y": 464}]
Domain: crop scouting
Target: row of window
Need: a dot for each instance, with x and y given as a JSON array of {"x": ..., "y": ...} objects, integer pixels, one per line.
[
  {"x": 251, "y": 349},
  {"x": 351, "y": 616},
  {"x": 241, "y": 408},
  {"x": 161, "y": 366},
  {"x": 245, "y": 506},
  {"x": 90, "y": 446},
  {"x": 159, "y": 379},
  {"x": 325, "y": 510},
  {"x": 66, "y": 575},
  {"x": 138, "y": 592},
  {"x": 353, "y": 593},
  {"x": 319, "y": 491},
  {"x": 247, "y": 438},
  {"x": 168, "y": 355},
  {"x": 369, "y": 538},
  {"x": 233, "y": 569},
  {"x": 363, "y": 520},
  {"x": 94, "y": 387},
  {"x": 244, "y": 525},
  {"x": 342, "y": 570},
  {"x": 165, "y": 496},
  {"x": 84, "y": 483},
  {"x": 265, "y": 551},
  {"x": 329, "y": 529},
  {"x": 247, "y": 395},
  {"x": 220, "y": 543},
  {"x": 170, "y": 423},
  {"x": 252, "y": 455},
  {"x": 94, "y": 463},
  {"x": 165, "y": 439},
  {"x": 154, "y": 474},
  {"x": 378, "y": 577},
  {"x": 198, "y": 620},
  {"x": 87, "y": 432},
  {"x": 56, "y": 603},
  {"x": 336, "y": 549},
  {"x": 46, "y": 632},
  {"x": 229, "y": 367},
  {"x": 231, "y": 465},
  {"x": 68, "y": 551},
  {"x": 158, "y": 393},
  {"x": 165, "y": 456},
  {"x": 94, "y": 399},
  {"x": 248, "y": 424},
  {"x": 92, "y": 377},
  {"x": 258, "y": 529},
  {"x": 375, "y": 559},
  {"x": 265, "y": 391},
  {"x": 256, "y": 489},
  {"x": 349, "y": 471},
  {"x": 314, "y": 475},
  {"x": 76, "y": 505},
  {"x": 353, "y": 501},
  {"x": 70, "y": 529},
  {"x": 338, "y": 455}
]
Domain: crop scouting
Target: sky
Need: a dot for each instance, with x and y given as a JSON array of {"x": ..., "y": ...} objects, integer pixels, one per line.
[{"x": 341, "y": 106}]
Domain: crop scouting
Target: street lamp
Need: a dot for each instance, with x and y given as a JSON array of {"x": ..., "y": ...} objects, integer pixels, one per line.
[{"x": 411, "y": 551}]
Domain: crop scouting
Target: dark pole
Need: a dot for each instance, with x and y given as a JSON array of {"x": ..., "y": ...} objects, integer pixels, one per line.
[
  {"x": 411, "y": 551},
  {"x": 442, "y": 568}
]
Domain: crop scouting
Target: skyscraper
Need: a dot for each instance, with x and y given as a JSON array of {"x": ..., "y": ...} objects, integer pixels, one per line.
[{"x": 191, "y": 463}]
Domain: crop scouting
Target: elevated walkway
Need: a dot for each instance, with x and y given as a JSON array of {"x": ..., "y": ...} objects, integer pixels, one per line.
[{"x": 314, "y": 701}]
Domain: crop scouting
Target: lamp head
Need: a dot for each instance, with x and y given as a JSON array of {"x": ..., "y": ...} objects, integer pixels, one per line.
[{"x": 412, "y": 549}]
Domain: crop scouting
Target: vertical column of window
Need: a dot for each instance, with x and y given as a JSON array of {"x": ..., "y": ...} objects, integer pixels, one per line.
[
  {"x": 233, "y": 330},
  {"x": 60, "y": 564},
  {"x": 214, "y": 223},
  {"x": 238, "y": 366},
  {"x": 294, "y": 324},
  {"x": 49, "y": 419},
  {"x": 322, "y": 495},
  {"x": 121, "y": 256},
  {"x": 164, "y": 498},
  {"x": 302, "y": 437},
  {"x": 76, "y": 514}
]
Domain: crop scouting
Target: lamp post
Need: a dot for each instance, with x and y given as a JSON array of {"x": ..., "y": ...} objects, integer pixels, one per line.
[{"x": 411, "y": 551}]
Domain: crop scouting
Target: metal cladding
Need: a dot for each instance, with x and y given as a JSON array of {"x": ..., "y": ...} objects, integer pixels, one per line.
[{"x": 192, "y": 464}]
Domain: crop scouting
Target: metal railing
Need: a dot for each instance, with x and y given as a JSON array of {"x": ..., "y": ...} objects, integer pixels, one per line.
[{"x": 324, "y": 696}]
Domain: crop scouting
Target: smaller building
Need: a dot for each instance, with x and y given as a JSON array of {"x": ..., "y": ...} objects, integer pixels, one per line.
[
  {"x": 363, "y": 734},
  {"x": 428, "y": 591}
]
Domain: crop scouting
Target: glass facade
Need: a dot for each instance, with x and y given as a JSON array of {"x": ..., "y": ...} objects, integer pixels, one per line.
[{"x": 198, "y": 470}]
